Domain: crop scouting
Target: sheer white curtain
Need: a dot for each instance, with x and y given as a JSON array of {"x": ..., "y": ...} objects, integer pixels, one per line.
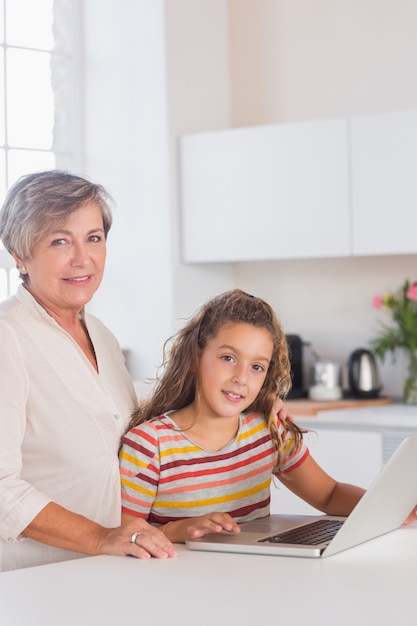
[{"x": 66, "y": 80}]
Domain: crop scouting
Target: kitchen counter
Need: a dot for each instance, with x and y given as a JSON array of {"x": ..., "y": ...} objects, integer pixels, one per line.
[
  {"x": 312, "y": 407},
  {"x": 369, "y": 585},
  {"x": 389, "y": 416}
]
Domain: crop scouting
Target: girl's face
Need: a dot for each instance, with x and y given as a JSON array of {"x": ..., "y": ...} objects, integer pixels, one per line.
[
  {"x": 67, "y": 266},
  {"x": 232, "y": 369}
]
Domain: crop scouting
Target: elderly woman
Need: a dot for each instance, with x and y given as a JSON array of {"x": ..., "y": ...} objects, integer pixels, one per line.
[{"x": 65, "y": 394}]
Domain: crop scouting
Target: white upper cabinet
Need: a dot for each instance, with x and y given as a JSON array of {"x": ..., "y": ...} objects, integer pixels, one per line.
[
  {"x": 384, "y": 183},
  {"x": 269, "y": 192}
]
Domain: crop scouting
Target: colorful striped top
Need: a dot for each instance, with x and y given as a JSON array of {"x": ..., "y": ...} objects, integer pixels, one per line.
[{"x": 166, "y": 477}]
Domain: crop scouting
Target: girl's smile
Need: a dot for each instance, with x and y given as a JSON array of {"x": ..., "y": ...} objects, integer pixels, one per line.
[
  {"x": 232, "y": 396},
  {"x": 232, "y": 370}
]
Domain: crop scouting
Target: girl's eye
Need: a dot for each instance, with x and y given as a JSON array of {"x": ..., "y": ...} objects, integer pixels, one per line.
[
  {"x": 258, "y": 368},
  {"x": 228, "y": 358}
]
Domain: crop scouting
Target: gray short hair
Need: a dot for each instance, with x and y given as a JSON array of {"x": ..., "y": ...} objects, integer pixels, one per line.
[{"x": 39, "y": 203}]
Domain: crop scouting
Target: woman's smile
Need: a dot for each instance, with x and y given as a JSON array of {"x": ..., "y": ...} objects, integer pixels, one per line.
[
  {"x": 67, "y": 266},
  {"x": 78, "y": 279}
]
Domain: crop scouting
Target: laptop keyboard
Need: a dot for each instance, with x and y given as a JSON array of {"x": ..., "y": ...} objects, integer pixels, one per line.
[{"x": 311, "y": 534}]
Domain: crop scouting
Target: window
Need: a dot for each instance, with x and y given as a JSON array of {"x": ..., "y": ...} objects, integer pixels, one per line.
[{"x": 36, "y": 78}]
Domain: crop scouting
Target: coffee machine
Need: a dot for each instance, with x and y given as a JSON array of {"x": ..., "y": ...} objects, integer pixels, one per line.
[{"x": 295, "y": 348}]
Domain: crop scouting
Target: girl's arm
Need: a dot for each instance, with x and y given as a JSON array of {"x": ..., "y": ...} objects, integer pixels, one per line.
[{"x": 311, "y": 483}]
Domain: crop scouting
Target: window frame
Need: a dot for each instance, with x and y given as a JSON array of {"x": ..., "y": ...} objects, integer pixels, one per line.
[{"x": 66, "y": 78}]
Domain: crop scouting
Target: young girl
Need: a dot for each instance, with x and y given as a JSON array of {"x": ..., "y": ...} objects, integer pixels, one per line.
[{"x": 200, "y": 453}]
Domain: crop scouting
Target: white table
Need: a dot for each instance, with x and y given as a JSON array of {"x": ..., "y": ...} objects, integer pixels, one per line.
[{"x": 371, "y": 584}]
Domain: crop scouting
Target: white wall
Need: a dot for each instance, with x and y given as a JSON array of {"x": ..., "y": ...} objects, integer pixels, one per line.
[
  {"x": 296, "y": 60},
  {"x": 151, "y": 67},
  {"x": 329, "y": 303},
  {"x": 198, "y": 86},
  {"x": 158, "y": 68},
  {"x": 126, "y": 144}
]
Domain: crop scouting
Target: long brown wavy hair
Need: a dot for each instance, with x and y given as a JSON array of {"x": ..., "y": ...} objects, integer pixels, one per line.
[{"x": 177, "y": 386}]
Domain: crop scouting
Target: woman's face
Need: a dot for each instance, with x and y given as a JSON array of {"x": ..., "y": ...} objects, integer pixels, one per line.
[{"x": 67, "y": 265}]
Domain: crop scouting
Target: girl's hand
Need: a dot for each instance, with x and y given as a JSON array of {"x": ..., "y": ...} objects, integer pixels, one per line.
[
  {"x": 193, "y": 527},
  {"x": 211, "y": 523}
]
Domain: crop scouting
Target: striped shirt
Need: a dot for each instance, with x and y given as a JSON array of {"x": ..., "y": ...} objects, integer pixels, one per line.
[{"x": 166, "y": 477}]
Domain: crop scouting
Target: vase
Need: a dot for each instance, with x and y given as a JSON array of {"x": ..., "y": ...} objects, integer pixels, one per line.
[{"x": 410, "y": 383}]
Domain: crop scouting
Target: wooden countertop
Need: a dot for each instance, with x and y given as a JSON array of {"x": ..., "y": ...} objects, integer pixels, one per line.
[{"x": 312, "y": 407}]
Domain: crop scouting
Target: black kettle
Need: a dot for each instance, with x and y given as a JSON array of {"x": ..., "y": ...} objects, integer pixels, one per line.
[{"x": 363, "y": 374}]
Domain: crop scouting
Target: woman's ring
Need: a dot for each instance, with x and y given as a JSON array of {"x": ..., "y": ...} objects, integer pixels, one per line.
[{"x": 135, "y": 536}]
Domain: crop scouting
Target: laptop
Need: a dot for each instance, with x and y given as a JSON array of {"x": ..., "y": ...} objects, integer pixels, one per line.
[{"x": 383, "y": 508}]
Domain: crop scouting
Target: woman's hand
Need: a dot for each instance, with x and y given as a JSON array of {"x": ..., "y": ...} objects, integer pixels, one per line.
[
  {"x": 59, "y": 527},
  {"x": 280, "y": 410},
  {"x": 412, "y": 517},
  {"x": 148, "y": 541},
  {"x": 194, "y": 527}
]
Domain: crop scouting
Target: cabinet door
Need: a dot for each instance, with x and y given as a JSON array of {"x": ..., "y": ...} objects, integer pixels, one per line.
[
  {"x": 351, "y": 456},
  {"x": 269, "y": 192},
  {"x": 384, "y": 183}
]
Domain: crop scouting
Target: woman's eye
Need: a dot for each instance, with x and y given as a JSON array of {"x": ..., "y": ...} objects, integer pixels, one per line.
[
  {"x": 58, "y": 242},
  {"x": 95, "y": 238}
]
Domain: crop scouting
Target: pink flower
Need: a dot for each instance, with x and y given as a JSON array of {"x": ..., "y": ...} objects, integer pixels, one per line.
[
  {"x": 412, "y": 291},
  {"x": 377, "y": 302}
]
